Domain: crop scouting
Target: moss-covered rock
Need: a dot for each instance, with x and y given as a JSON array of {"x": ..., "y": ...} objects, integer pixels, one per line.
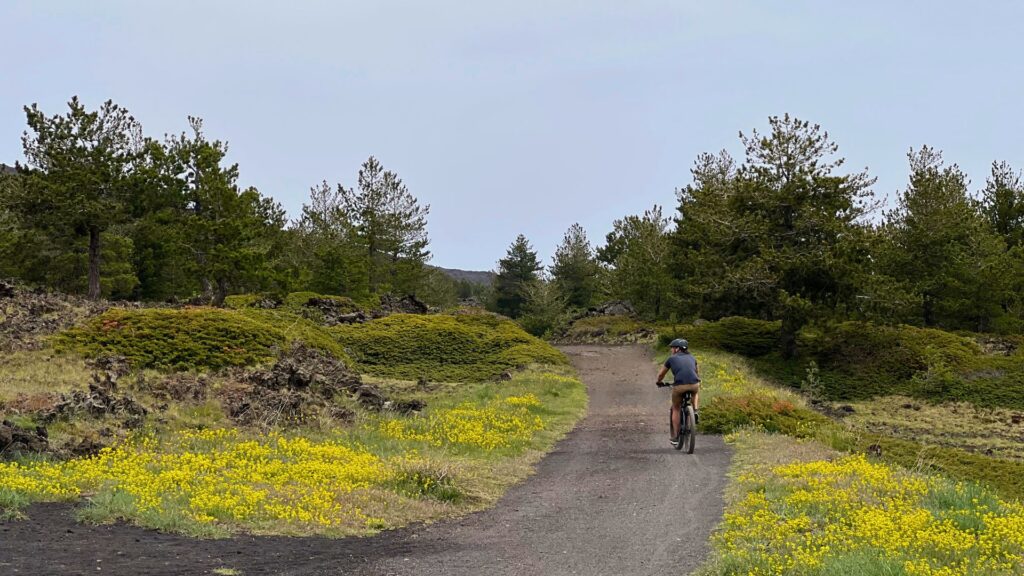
[{"x": 463, "y": 348}]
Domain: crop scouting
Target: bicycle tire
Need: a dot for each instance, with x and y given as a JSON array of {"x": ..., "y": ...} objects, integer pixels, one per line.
[{"x": 688, "y": 423}]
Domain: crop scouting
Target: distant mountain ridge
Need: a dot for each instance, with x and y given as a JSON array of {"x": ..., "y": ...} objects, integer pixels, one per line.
[{"x": 484, "y": 278}]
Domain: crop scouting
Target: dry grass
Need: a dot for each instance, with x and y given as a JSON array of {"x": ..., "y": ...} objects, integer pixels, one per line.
[
  {"x": 40, "y": 372},
  {"x": 989, "y": 431}
]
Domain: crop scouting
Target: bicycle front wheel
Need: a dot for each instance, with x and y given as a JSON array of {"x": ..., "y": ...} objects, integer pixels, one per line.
[{"x": 689, "y": 429}]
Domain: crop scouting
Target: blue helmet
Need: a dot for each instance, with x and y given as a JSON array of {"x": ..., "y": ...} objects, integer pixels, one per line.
[{"x": 679, "y": 343}]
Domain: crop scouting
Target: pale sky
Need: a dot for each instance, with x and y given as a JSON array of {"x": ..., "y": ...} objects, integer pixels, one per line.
[{"x": 524, "y": 116}]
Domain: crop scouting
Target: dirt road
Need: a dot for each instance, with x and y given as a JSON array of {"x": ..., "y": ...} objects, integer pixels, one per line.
[{"x": 613, "y": 498}]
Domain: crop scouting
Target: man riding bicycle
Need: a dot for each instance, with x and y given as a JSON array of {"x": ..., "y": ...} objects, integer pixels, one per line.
[{"x": 686, "y": 378}]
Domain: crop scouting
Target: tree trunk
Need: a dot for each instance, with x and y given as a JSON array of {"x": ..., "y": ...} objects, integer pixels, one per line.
[
  {"x": 221, "y": 293},
  {"x": 787, "y": 339},
  {"x": 94, "y": 263}
]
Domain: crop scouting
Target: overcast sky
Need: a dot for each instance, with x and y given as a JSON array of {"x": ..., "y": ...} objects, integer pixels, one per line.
[{"x": 525, "y": 116}]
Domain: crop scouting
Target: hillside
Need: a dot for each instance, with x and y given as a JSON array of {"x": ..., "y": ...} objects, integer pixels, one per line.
[
  {"x": 483, "y": 278},
  {"x": 269, "y": 417}
]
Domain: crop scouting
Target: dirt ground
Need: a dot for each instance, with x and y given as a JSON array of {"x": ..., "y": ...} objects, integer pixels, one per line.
[{"x": 612, "y": 498}]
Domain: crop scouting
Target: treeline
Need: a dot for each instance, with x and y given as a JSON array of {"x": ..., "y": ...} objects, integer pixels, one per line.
[
  {"x": 101, "y": 209},
  {"x": 786, "y": 233}
]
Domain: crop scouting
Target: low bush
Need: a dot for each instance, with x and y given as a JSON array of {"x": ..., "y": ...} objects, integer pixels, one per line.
[
  {"x": 603, "y": 328},
  {"x": 859, "y": 360},
  {"x": 241, "y": 301},
  {"x": 296, "y": 328},
  {"x": 192, "y": 338},
  {"x": 463, "y": 348},
  {"x": 744, "y": 336},
  {"x": 725, "y": 414},
  {"x": 297, "y": 301}
]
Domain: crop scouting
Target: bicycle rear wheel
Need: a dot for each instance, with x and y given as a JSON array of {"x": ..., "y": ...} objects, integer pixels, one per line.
[{"x": 688, "y": 425}]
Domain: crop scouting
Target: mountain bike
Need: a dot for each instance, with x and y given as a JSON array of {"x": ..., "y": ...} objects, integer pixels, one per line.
[{"x": 687, "y": 422}]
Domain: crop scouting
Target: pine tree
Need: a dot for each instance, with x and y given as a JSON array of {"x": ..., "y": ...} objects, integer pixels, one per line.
[
  {"x": 79, "y": 174},
  {"x": 636, "y": 252},
  {"x": 231, "y": 232},
  {"x": 1003, "y": 203},
  {"x": 517, "y": 272},
  {"x": 575, "y": 270},
  {"x": 329, "y": 246},
  {"x": 942, "y": 248},
  {"x": 777, "y": 236},
  {"x": 392, "y": 227}
]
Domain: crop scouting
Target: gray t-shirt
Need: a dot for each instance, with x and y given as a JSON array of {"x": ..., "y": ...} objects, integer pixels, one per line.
[{"x": 684, "y": 368}]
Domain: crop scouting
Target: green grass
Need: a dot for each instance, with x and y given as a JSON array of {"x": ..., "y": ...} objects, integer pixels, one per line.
[
  {"x": 796, "y": 507},
  {"x": 734, "y": 396},
  {"x": 188, "y": 339},
  {"x": 1005, "y": 477}
]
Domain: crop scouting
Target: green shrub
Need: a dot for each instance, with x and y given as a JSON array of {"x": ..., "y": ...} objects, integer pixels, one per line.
[
  {"x": 463, "y": 348},
  {"x": 188, "y": 339},
  {"x": 296, "y": 301},
  {"x": 603, "y": 327},
  {"x": 192, "y": 338},
  {"x": 240, "y": 301},
  {"x": 724, "y": 414},
  {"x": 744, "y": 336},
  {"x": 860, "y": 360},
  {"x": 296, "y": 328}
]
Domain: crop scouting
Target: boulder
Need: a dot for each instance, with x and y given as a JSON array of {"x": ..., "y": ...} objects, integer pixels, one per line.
[
  {"x": 17, "y": 441},
  {"x": 391, "y": 304}
]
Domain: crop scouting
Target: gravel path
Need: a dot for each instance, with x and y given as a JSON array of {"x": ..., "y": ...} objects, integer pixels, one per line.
[{"x": 612, "y": 498}]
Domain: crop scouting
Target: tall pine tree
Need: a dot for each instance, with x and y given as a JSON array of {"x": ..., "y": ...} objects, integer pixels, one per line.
[
  {"x": 79, "y": 177},
  {"x": 392, "y": 227},
  {"x": 575, "y": 270},
  {"x": 517, "y": 273}
]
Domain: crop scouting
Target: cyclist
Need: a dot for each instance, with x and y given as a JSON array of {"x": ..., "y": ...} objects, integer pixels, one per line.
[{"x": 686, "y": 378}]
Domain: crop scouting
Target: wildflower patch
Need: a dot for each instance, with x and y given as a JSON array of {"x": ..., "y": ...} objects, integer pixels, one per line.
[
  {"x": 385, "y": 472},
  {"x": 854, "y": 516}
]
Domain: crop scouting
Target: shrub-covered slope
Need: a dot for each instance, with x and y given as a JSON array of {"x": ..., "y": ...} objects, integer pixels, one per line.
[
  {"x": 859, "y": 360},
  {"x": 192, "y": 338},
  {"x": 463, "y": 348}
]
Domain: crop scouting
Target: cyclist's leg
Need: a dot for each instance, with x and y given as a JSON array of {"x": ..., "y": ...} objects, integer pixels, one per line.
[
  {"x": 679, "y": 390},
  {"x": 677, "y": 405}
]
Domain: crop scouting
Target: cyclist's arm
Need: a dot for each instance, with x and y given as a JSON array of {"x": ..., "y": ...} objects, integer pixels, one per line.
[{"x": 664, "y": 370}]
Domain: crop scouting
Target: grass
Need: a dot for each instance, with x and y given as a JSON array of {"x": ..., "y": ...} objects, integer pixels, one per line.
[
  {"x": 997, "y": 432},
  {"x": 31, "y": 377},
  {"x": 735, "y": 397},
  {"x": 807, "y": 501},
  {"x": 385, "y": 470},
  {"x": 796, "y": 507}
]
